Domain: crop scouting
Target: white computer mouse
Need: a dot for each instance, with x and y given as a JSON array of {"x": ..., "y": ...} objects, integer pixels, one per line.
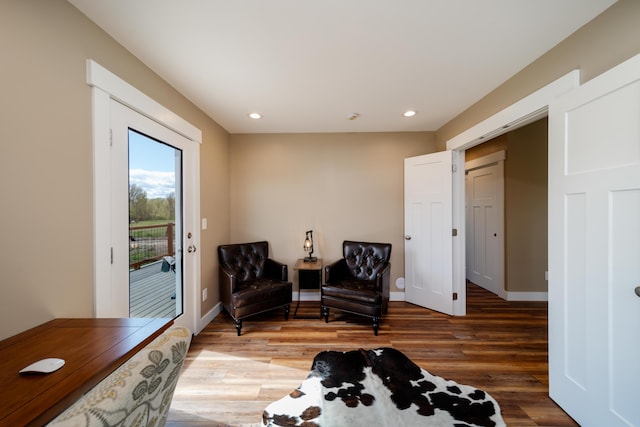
[{"x": 43, "y": 366}]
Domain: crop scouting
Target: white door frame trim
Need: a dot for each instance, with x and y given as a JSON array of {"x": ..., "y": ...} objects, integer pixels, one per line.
[
  {"x": 99, "y": 77},
  {"x": 105, "y": 87},
  {"x": 480, "y": 162},
  {"x": 529, "y": 109}
]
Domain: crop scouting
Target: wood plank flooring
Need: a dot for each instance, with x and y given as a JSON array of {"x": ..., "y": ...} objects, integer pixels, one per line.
[{"x": 499, "y": 346}]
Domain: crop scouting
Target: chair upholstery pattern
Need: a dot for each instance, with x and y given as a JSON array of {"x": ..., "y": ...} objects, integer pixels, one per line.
[
  {"x": 359, "y": 282},
  {"x": 251, "y": 282},
  {"x": 139, "y": 392},
  {"x": 366, "y": 260}
]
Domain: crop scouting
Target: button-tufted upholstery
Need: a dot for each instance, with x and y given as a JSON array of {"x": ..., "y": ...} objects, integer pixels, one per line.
[
  {"x": 359, "y": 282},
  {"x": 251, "y": 282}
]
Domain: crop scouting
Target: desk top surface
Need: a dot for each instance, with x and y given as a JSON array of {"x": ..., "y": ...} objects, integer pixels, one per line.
[{"x": 91, "y": 348}]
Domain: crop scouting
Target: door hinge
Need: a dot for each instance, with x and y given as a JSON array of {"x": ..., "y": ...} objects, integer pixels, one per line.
[
  {"x": 454, "y": 168},
  {"x": 110, "y": 137},
  {"x": 454, "y": 232},
  {"x": 455, "y": 296},
  {"x": 112, "y": 255}
]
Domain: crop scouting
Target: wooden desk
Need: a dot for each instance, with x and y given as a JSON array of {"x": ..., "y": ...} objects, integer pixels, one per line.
[
  {"x": 309, "y": 277},
  {"x": 91, "y": 348}
]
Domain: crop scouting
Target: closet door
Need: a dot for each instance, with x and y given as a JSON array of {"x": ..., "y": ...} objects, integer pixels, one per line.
[
  {"x": 594, "y": 249},
  {"x": 484, "y": 183}
]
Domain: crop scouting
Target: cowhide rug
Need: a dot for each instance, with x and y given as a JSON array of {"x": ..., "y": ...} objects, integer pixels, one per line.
[{"x": 380, "y": 387}]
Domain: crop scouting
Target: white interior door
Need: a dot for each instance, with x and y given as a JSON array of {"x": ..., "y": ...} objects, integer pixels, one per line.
[
  {"x": 594, "y": 249},
  {"x": 485, "y": 226},
  {"x": 428, "y": 231}
]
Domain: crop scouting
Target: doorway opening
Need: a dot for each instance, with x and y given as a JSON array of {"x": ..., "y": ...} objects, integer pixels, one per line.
[
  {"x": 155, "y": 227},
  {"x": 506, "y": 240},
  {"x": 527, "y": 110}
]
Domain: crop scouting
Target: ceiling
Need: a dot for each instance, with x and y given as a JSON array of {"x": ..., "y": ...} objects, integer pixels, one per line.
[{"x": 306, "y": 66}]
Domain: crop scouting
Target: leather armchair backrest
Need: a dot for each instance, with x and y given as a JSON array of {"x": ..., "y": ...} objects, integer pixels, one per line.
[
  {"x": 365, "y": 259},
  {"x": 247, "y": 260}
]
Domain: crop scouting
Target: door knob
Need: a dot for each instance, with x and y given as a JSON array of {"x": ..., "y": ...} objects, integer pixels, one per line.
[
  {"x": 638, "y": 291},
  {"x": 407, "y": 237}
]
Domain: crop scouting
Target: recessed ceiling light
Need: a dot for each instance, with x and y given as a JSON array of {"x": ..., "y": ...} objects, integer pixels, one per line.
[
  {"x": 410, "y": 113},
  {"x": 255, "y": 116}
]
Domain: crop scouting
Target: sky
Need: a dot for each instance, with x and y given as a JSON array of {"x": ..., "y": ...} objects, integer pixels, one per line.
[{"x": 151, "y": 165}]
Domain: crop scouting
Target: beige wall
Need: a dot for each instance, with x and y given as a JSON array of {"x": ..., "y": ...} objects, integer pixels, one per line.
[
  {"x": 526, "y": 208},
  {"x": 343, "y": 186},
  {"x": 606, "y": 41},
  {"x": 46, "y": 171}
]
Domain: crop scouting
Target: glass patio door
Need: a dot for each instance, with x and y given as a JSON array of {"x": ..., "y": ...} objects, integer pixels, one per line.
[
  {"x": 154, "y": 218},
  {"x": 155, "y": 225}
]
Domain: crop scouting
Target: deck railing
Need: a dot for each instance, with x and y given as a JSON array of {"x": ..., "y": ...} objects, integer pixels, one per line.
[{"x": 149, "y": 243}]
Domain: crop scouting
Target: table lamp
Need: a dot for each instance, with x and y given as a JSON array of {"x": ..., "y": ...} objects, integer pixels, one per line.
[{"x": 308, "y": 247}]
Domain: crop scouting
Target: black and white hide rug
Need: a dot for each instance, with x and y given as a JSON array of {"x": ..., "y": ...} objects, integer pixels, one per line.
[{"x": 380, "y": 387}]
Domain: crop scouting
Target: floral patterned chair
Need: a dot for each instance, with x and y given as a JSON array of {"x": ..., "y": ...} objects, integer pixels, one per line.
[{"x": 139, "y": 392}]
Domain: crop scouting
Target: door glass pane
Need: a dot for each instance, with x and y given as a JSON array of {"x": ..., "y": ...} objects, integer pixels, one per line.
[{"x": 155, "y": 228}]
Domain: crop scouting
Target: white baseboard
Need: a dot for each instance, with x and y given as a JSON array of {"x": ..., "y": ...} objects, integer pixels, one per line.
[
  {"x": 208, "y": 317},
  {"x": 396, "y": 296},
  {"x": 527, "y": 296},
  {"x": 315, "y": 296},
  {"x": 306, "y": 295}
]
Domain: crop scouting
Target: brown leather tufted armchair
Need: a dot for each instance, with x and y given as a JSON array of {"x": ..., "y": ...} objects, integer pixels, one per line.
[
  {"x": 359, "y": 282},
  {"x": 251, "y": 282}
]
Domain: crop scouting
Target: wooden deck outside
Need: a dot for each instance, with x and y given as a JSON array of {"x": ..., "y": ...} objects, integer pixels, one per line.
[{"x": 151, "y": 291}]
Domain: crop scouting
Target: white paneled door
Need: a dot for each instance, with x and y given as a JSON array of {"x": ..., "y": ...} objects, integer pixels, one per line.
[
  {"x": 428, "y": 231},
  {"x": 594, "y": 249},
  {"x": 485, "y": 227}
]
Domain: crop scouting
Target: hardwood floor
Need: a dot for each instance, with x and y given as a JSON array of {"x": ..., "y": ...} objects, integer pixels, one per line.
[{"x": 499, "y": 346}]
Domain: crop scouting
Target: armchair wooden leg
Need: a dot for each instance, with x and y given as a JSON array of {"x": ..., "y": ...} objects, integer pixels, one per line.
[
  {"x": 376, "y": 325},
  {"x": 325, "y": 313},
  {"x": 238, "y": 326},
  {"x": 286, "y": 312}
]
